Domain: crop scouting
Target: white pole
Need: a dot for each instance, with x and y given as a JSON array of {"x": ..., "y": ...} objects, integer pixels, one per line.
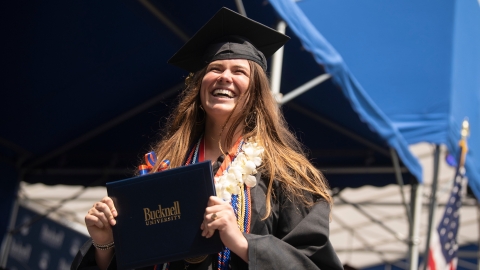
[
  {"x": 433, "y": 203},
  {"x": 240, "y": 7},
  {"x": 277, "y": 62},
  {"x": 415, "y": 230},
  {"x": 305, "y": 87}
]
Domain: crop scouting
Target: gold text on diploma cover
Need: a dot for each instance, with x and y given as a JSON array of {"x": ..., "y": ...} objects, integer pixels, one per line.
[{"x": 162, "y": 215}]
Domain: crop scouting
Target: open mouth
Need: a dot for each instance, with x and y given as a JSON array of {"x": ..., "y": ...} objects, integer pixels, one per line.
[{"x": 223, "y": 93}]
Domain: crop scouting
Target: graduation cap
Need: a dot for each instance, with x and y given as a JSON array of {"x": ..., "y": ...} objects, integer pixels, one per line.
[{"x": 229, "y": 35}]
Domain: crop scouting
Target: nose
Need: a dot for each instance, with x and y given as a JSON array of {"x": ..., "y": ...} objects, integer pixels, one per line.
[{"x": 225, "y": 76}]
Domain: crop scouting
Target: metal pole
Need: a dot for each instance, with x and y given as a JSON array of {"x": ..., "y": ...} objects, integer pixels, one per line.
[
  {"x": 478, "y": 224},
  {"x": 397, "y": 235},
  {"x": 104, "y": 127},
  {"x": 360, "y": 238},
  {"x": 277, "y": 62},
  {"x": 414, "y": 239},
  {"x": 169, "y": 24},
  {"x": 433, "y": 203},
  {"x": 338, "y": 128},
  {"x": 240, "y": 7},
  {"x": 398, "y": 176},
  {"x": 305, "y": 87},
  {"x": 7, "y": 240}
]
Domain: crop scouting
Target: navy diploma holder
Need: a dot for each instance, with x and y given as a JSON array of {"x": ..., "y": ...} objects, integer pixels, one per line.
[{"x": 159, "y": 216}]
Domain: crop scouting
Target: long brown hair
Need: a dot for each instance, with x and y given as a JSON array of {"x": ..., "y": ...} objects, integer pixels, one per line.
[{"x": 284, "y": 159}]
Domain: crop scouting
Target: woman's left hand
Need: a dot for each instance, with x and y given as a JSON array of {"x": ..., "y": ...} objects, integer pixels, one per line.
[{"x": 219, "y": 216}]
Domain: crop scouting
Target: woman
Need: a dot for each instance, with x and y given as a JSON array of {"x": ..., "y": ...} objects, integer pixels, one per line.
[{"x": 227, "y": 115}]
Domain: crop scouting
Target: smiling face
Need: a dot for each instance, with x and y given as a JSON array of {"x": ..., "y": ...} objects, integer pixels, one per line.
[{"x": 224, "y": 85}]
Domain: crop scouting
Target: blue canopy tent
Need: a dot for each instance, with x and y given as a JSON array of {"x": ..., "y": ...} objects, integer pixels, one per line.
[
  {"x": 88, "y": 83},
  {"x": 419, "y": 62}
]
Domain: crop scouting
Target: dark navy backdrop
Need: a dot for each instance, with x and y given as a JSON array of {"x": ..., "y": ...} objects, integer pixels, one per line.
[{"x": 44, "y": 245}]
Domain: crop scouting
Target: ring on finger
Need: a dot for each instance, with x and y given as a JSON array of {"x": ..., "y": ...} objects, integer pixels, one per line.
[{"x": 215, "y": 216}]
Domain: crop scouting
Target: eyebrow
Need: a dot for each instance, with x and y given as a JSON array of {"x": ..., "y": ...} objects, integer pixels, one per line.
[
  {"x": 235, "y": 66},
  {"x": 240, "y": 66}
]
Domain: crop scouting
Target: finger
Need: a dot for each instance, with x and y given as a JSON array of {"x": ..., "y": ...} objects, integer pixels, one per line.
[
  {"x": 215, "y": 209},
  {"x": 214, "y": 200},
  {"x": 215, "y": 204},
  {"x": 204, "y": 228},
  {"x": 108, "y": 201},
  {"x": 211, "y": 201},
  {"x": 218, "y": 200},
  {"x": 204, "y": 225},
  {"x": 91, "y": 220},
  {"x": 210, "y": 224},
  {"x": 210, "y": 230},
  {"x": 214, "y": 216},
  {"x": 101, "y": 216},
  {"x": 206, "y": 219},
  {"x": 105, "y": 209},
  {"x": 209, "y": 211},
  {"x": 210, "y": 233}
]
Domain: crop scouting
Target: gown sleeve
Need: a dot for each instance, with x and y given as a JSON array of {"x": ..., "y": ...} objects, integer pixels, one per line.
[
  {"x": 85, "y": 259},
  {"x": 292, "y": 237}
]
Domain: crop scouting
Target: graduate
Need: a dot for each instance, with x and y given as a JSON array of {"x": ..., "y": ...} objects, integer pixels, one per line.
[{"x": 272, "y": 209}]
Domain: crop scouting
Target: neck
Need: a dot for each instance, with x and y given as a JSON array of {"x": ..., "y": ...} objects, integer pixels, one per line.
[{"x": 214, "y": 134}]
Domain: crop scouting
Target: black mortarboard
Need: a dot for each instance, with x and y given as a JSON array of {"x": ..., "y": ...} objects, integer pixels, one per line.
[{"x": 229, "y": 35}]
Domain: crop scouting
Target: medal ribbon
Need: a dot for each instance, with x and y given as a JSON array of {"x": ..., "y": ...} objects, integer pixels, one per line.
[{"x": 241, "y": 203}]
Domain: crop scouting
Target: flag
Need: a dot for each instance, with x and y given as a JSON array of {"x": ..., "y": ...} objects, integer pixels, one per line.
[{"x": 442, "y": 254}]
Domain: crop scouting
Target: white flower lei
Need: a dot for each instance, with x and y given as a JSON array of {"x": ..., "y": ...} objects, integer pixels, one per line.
[{"x": 241, "y": 171}]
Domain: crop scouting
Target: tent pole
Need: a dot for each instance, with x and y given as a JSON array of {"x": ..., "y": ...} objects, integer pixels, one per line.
[
  {"x": 305, "y": 87},
  {"x": 7, "y": 240},
  {"x": 395, "y": 234},
  {"x": 12, "y": 146},
  {"x": 359, "y": 170},
  {"x": 360, "y": 238},
  {"x": 169, "y": 24},
  {"x": 414, "y": 231},
  {"x": 277, "y": 62},
  {"x": 104, "y": 127},
  {"x": 240, "y": 7},
  {"x": 425, "y": 205},
  {"x": 398, "y": 176},
  {"x": 478, "y": 224},
  {"x": 433, "y": 203},
  {"x": 338, "y": 128}
]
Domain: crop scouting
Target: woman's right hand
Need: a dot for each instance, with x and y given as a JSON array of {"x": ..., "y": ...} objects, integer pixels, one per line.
[{"x": 100, "y": 219}]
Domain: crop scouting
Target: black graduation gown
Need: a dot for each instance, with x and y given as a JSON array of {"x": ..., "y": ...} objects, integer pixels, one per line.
[{"x": 292, "y": 237}]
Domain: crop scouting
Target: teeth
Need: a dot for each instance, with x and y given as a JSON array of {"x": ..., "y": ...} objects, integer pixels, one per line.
[{"x": 223, "y": 92}]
